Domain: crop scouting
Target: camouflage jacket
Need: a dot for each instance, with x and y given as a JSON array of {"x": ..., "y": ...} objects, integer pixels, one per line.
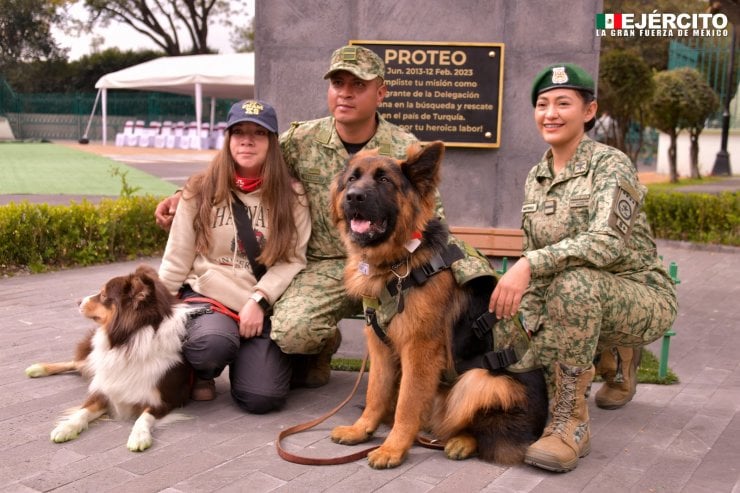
[
  {"x": 591, "y": 214},
  {"x": 316, "y": 154}
]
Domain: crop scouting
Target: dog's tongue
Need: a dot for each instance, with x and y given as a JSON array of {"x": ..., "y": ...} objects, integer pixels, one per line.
[{"x": 359, "y": 225}]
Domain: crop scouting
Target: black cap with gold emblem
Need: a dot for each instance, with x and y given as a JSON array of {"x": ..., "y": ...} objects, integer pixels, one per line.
[{"x": 253, "y": 111}]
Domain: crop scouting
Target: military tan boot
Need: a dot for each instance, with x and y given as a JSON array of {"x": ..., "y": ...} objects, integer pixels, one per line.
[
  {"x": 567, "y": 437},
  {"x": 618, "y": 367},
  {"x": 319, "y": 365}
]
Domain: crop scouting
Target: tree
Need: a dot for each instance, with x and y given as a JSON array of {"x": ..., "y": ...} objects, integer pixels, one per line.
[
  {"x": 625, "y": 86},
  {"x": 163, "y": 20},
  {"x": 653, "y": 50},
  {"x": 667, "y": 108},
  {"x": 25, "y": 31},
  {"x": 242, "y": 38},
  {"x": 61, "y": 76},
  {"x": 731, "y": 8},
  {"x": 702, "y": 104},
  {"x": 88, "y": 69}
]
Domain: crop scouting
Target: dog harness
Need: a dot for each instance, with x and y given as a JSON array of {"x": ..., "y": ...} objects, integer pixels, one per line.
[
  {"x": 380, "y": 311},
  {"x": 390, "y": 302}
]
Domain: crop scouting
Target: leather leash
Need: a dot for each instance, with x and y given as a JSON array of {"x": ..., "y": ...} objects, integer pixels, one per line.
[
  {"x": 343, "y": 459},
  {"x": 313, "y": 461}
]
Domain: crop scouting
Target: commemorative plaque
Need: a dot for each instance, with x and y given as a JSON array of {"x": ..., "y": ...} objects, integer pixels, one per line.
[{"x": 443, "y": 91}]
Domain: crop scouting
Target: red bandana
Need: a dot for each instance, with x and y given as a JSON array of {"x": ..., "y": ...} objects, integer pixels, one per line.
[{"x": 247, "y": 184}]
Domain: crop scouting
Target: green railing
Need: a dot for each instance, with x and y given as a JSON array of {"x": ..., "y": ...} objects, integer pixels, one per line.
[
  {"x": 65, "y": 115},
  {"x": 711, "y": 57}
]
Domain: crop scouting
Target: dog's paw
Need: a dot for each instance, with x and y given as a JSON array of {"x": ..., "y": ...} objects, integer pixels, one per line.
[
  {"x": 140, "y": 437},
  {"x": 386, "y": 457},
  {"x": 461, "y": 447},
  {"x": 350, "y": 435},
  {"x": 65, "y": 431},
  {"x": 139, "y": 440},
  {"x": 36, "y": 370}
]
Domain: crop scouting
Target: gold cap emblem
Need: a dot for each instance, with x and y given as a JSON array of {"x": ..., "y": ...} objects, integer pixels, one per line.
[
  {"x": 559, "y": 76},
  {"x": 252, "y": 108}
]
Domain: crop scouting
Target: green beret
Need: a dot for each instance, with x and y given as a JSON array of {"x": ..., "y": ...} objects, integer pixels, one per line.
[{"x": 561, "y": 75}]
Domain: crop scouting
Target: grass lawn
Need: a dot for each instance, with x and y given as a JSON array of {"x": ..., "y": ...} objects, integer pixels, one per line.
[
  {"x": 648, "y": 372},
  {"x": 44, "y": 168},
  {"x": 683, "y": 182}
]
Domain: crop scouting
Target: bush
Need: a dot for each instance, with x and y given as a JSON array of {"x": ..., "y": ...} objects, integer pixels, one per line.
[
  {"x": 696, "y": 217},
  {"x": 42, "y": 236}
]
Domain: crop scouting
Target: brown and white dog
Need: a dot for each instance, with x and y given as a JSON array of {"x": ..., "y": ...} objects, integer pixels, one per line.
[
  {"x": 133, "y": 358},
  {"x": 385, "y": 211}
]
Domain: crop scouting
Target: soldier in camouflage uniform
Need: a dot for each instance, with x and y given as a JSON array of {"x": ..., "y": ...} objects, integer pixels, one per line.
[
  {"x": 590, "y": 281},
  {"x": 305, "y": 317}
]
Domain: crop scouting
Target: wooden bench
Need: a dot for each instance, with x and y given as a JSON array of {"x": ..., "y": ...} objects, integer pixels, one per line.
[{"x": 493, "y": 242}]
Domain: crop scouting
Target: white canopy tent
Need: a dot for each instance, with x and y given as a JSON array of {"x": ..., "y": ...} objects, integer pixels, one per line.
[{"x": 214, "y": 76}]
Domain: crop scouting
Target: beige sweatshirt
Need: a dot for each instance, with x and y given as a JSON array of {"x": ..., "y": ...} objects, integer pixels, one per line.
[{"x": 224, "y": 273}]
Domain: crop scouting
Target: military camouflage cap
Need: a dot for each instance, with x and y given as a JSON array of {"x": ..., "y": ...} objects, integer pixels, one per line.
[
  {"x": 561, "y": 75},
  {"x": 358, "y": 60}
]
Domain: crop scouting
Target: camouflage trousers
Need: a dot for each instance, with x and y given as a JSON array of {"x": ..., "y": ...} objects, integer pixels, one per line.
[
  {"x": 582, "y": 311},
  {"x": 307, "y": 313}
]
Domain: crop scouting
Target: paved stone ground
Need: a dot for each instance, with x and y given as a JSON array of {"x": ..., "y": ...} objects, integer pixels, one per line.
[
  {"x": 682, "y": 437},
  {"x": 674, "y": 438}
]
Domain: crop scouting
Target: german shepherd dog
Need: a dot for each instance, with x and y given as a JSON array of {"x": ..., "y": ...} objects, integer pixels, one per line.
[{"x": 379, "y": 204}]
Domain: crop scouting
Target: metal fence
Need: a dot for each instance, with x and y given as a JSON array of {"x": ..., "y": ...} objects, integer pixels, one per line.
[
  {"x": 65, "y": 115},
  {"x": 711, "y": 57}
]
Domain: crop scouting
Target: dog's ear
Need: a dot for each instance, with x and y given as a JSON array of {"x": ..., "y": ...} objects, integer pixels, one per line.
[
  {"x": 421, "y": 168},
  {"x": 146, "y": 270},
  {"x": 141, "y": 288}
]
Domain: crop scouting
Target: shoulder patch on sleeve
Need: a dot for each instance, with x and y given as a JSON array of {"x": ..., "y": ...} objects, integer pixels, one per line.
[{"x": 624, "y": 209}]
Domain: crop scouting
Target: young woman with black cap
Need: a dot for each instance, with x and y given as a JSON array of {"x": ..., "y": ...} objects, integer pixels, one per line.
[
  {"x": 237, "y": 240},
  {"x": 590, "y": 281}
]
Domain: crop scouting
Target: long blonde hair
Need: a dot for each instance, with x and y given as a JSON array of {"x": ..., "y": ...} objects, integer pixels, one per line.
[{"x": 214, "y": 184}]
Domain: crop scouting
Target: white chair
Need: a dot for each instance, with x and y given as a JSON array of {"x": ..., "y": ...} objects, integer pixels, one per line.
[
  {"x": 205, "y": 137},
  {"x": 217, "y": 136},
  {"x": 128, "y": 129},
  {"x": 189, "y": 134},
  {"x": 164, "y": 132},
  {"x": 147, "y": 138},
  {"x": 173, "y": 140},
  {"x": 133, "y": 139}
]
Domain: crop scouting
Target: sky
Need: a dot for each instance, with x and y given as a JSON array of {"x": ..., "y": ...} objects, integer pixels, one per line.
[{"x": 126, "y": 38}]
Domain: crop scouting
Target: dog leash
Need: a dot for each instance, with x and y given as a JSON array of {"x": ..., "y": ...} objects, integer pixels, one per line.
[
  {"x": 316, "y": 461},
  {"x": 216, "y": 306},
  {"x": 344, "y": 459}
]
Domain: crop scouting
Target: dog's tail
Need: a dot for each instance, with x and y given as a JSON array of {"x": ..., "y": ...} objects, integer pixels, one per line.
[
  {"x": 171, "y": 418},
  {"x": 475, "y": 391}
]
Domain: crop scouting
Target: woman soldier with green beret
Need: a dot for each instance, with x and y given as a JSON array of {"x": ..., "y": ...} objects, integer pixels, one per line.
[{"x": 590, "y": 285}]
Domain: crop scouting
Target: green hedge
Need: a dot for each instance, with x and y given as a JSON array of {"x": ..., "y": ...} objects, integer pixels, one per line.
[
  {"x": 695, "y": 217},
  {"x": 41, "y": 236}
]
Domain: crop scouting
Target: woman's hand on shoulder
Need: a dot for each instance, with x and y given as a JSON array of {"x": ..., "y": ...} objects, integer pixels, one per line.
[
  {"x": 165, "y": 211},
  {"x": 507, "y": 296}
]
